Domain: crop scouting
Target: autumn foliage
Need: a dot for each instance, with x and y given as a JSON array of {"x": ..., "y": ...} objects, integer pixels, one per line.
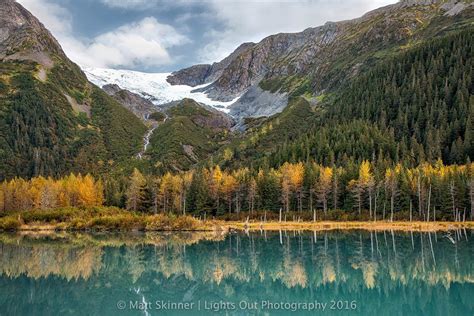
[
  {"x": 47, "y": 193},
  {"x": 367, "y": 191},
  {"x": 370, "y": 191}
]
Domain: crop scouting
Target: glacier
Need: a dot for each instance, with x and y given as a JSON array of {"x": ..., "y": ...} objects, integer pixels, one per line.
[{"x": 153, "y": 86}]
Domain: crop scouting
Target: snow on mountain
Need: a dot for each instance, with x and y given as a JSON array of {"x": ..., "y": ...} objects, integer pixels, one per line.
[{"x": 152, "y": 86}]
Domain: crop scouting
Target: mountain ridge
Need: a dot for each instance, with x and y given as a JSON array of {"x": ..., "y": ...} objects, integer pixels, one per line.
[
  {"x": 319, "y": 58},
  {"x": 54, "y": 121}
]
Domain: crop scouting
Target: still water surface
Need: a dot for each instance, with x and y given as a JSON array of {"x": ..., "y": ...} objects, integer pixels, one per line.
[{"x": 287, "y": 273}]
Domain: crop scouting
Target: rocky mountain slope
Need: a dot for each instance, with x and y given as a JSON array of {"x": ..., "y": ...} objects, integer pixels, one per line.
[
  {"x": 135, "y": 103},
  {"x": 52, "y": 120},
  {"x": 204, "y": 73},
  {"x": 23, "y": 37},
  {"x": 319, "y": 59}
]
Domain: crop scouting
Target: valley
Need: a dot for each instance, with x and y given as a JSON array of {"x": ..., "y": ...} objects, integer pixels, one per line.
[{"x": 341, "y": 117}]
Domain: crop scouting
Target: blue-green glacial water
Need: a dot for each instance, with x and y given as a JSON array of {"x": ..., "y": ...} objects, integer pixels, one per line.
[{"x": 334, "y": 273}]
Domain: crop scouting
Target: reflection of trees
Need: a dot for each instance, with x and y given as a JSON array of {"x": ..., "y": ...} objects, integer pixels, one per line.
[
  {"x": 42, "y": 260},
  {"x": 135, "y": 262},
  {"x": 355, "y": 260}
]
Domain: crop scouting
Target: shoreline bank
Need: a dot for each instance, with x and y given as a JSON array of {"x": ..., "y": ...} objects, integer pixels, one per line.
[
  {"x": 97, "y": 219},
  {"x": 228, "y": 226}
]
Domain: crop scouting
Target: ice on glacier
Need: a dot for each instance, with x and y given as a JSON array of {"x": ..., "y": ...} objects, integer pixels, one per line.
[{"x": 152, "y": 86}]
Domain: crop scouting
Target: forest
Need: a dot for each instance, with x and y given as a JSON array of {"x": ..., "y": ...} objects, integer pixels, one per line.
[
  {"x": 394, "y": 143},
  {"x": 363, "y": 191},
  {"x": 414, "y": 107}
]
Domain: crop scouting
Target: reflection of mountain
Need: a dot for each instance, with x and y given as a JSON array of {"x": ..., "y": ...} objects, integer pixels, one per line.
[{"x": 347, "y": 266}]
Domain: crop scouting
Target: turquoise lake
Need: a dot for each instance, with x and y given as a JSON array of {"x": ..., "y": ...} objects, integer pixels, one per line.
[{"x": 261, "y": 273}]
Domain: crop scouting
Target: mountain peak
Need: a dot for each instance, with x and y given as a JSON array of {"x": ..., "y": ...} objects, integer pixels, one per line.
[
  {"x": 420, "y": 2},
  {"x": 24, "y": 37}
]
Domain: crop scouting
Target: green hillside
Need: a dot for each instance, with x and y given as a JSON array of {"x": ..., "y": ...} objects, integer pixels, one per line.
[
  {"x": 190, "y": 134},
  {"x": 58, "y": 124},
  {"x": 413, "y": 107}
]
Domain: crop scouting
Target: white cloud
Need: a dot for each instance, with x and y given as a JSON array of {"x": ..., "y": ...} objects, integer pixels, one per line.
[
  {"x": 252, "y": 20},
  {"x": 130, "y": 4},
  {"x": 147, "y": 43},
  {"x": 140, "y": 44},
  {"x": 56, "y": 18},
  {"x": 144, "y": 44}
]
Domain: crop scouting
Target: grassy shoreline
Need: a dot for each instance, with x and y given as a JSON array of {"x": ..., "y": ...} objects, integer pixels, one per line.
[
  {"x": 115, "y": 219},
  {"x": 352, "y": 225},
  {"x": 225, "y": 226}
]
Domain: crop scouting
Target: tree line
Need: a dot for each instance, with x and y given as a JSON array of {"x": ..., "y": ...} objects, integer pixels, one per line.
[
  {"x": 366, "y": 190},
  {"x": 427, "y": 192}
]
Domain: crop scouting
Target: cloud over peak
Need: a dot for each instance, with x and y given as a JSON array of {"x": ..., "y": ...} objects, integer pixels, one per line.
[
  {"x": 130, "y": 4},
  {"x": 140, "y": 44},
  {"x": 155, "y": 35}
]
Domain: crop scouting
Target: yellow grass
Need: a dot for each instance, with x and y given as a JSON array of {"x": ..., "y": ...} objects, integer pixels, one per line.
[
  {"x": 333, "y": 225},
  {"x": 225, "y": 226}
]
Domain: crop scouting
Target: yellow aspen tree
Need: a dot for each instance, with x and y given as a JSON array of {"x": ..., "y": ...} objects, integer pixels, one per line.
[
  {"x": 7, "y": 195},
  {"x": 215, "y": 185},
  {"x": 15, "y": 188},
  {"x": 324, "y": 186},
  {"x": 86, "y": 191},
  {"x": 62, "y": 195},
  {"x": 36, "y": 187},
  {"x": 22, "y": 196},
  {"x": 241, "y": 176},
  {"x": 391, "y": 185},
  {"x": 285, "y": 180},
  {"x": 135, "y": 192},
  {"x": 296, "y": 182},
  {"x": 251, "y": 194},
  {"x": 228, "y": 187},
  {"x": 367, "y": 181},
  {"x": 71, "y": 185},
  {"x": 165, "y": 192},
  {"x": 187, "y": 178}
]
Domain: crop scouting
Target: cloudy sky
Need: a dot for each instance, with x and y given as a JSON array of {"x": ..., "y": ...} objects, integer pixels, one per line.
[{"x": 166, "y": 35}]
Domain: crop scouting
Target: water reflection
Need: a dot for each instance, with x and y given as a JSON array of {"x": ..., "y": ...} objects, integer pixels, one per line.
[{"x": 386, "y": 273}]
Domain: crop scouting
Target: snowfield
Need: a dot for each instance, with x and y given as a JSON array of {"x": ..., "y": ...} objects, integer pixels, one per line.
[{"x": 152, "y": 86}]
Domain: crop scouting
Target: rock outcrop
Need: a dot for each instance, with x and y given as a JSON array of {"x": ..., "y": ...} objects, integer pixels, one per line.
[
  {"x": 138, "y": 105},
  {"x": 202, "y": 74},
  {"x": 24, "y": 37}
]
